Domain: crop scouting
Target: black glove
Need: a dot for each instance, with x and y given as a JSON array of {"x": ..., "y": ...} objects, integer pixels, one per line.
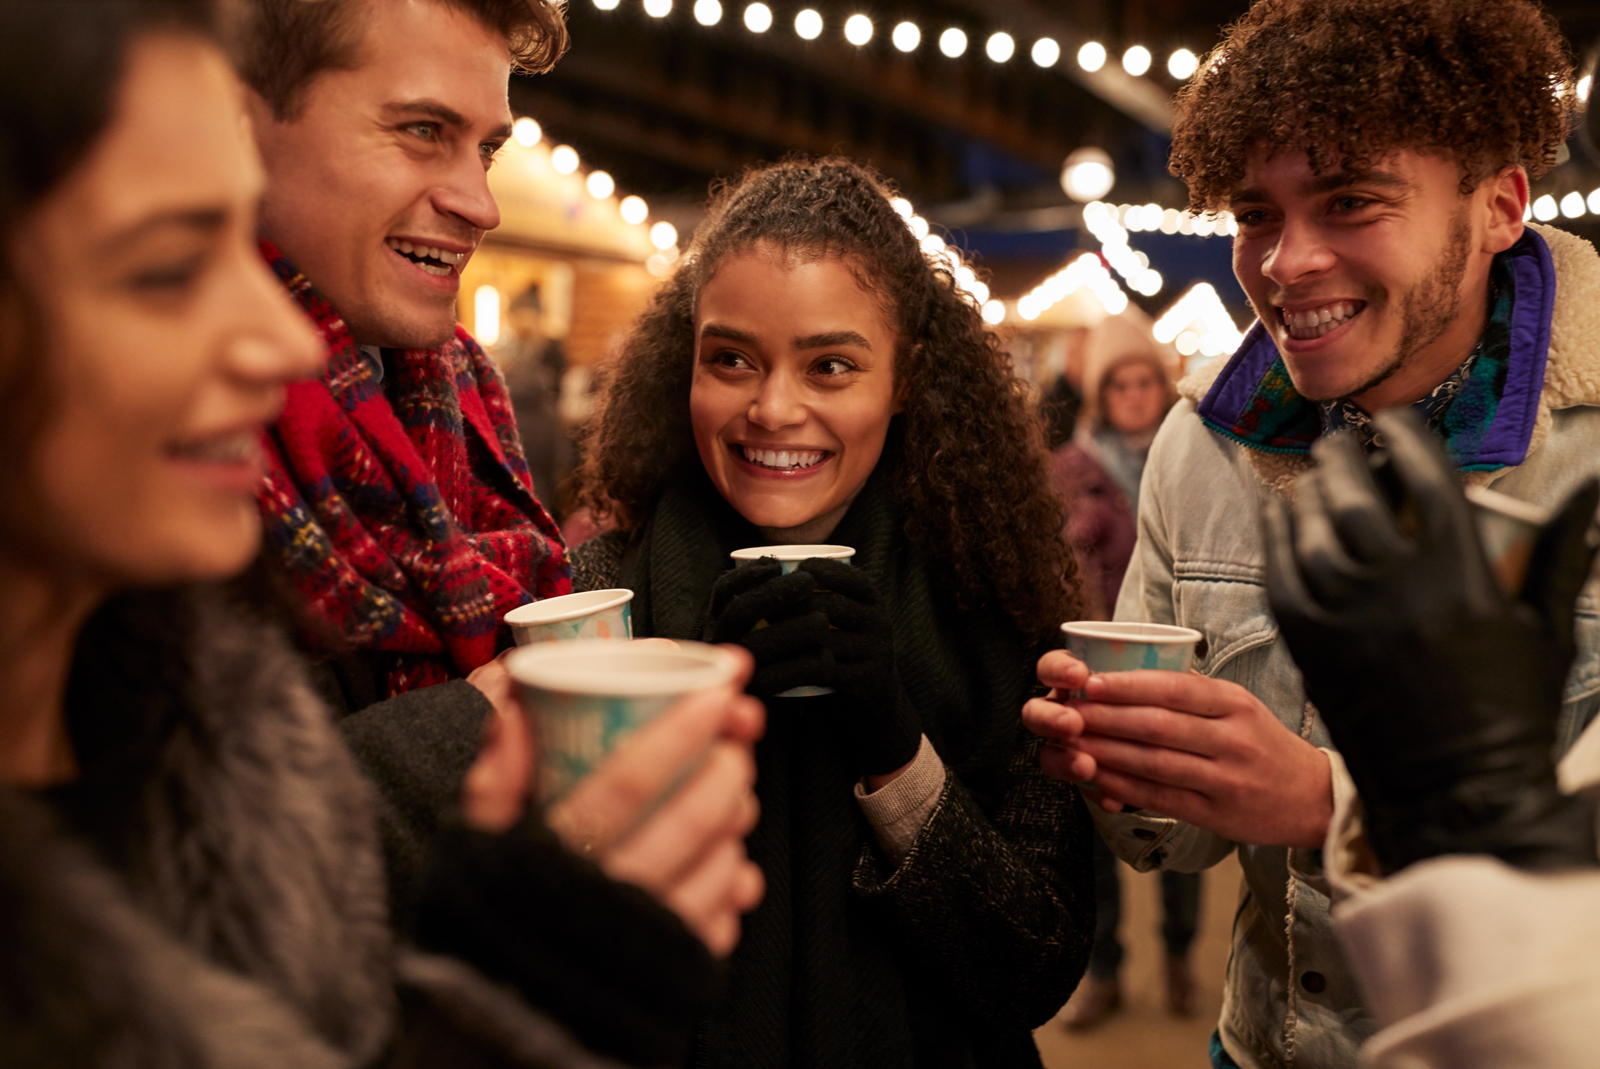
[
  {"x": 770, "y": 614},
  {"x": 883, "y": 730},
  {"x": 1441, "y": 692}
]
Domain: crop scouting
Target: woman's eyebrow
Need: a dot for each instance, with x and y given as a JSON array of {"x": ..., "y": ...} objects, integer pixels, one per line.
[
  {"x": 831, "y": 339},
  {"x": 205, "y": 220},
  {"x": 718, "y": 330}
]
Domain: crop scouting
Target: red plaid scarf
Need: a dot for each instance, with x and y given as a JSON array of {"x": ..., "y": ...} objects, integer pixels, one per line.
[{"x": 409, "y": 527}]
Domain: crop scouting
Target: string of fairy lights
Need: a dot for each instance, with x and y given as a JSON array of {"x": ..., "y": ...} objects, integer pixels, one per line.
[
  {"x": 1197, "y": 322},
  {"x": 906, "y": 36},
  {"x": 1110, "y": 225}
]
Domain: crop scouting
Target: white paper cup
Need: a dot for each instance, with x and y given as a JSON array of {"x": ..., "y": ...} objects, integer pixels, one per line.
[
  {"x": 1126, "y": 647},
  {"x": 586, "y": 696},
  {"x": 789, "y": 558},
  {"x": 1507, "y": 527},
  {"x": 592, "y": 614}
]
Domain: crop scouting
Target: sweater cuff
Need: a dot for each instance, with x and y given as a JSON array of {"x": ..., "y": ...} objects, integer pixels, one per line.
[{"x": 897, "y": 811}]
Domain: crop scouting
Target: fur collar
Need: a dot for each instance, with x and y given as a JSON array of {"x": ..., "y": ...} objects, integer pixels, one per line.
[
  {"x": 242, "y": 922},
  {"x": 1572, "y": 369}
]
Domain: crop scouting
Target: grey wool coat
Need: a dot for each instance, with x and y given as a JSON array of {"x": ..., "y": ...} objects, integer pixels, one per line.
[{"x": 209, "y": 893}]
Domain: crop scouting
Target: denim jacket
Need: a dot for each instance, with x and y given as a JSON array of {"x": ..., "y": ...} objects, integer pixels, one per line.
[{"x": 1291, "y": 999}]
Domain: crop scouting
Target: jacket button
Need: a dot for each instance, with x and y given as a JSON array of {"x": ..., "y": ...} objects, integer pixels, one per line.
[
  {"x": 1143, "y": 833},
  {"x": 1313, "y": 982}
]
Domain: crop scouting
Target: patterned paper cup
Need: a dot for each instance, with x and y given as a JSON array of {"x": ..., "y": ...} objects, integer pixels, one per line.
[
  {"x": 789, "y": 558},
  {"x": 1124, "y": 647},
  {"x": 585, "y": 697},
  {"x": 592, "y": 614},
  {"x": 1508, "y": 528}
]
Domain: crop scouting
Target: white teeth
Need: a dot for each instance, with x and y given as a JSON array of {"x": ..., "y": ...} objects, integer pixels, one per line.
[
  {"x": 782, "y": 459},
  {"x": 450, "y": 260},
  {"x": 228, "y": 449},
  {"x": 1315, "y": 322}
]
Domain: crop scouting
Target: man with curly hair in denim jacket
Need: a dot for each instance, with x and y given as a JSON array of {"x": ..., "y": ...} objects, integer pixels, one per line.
[{"x": 1376, "y": 156}]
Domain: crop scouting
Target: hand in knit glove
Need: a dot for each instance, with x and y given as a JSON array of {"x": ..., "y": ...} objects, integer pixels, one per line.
[
  {"x": 770, "y": 614},
  {"x": 884, "y": 730},
  {"x": 1441, "y": 692}
]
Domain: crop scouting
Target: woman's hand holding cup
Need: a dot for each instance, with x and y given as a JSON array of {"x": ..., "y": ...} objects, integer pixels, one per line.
[{"x": 687, "y": 851}]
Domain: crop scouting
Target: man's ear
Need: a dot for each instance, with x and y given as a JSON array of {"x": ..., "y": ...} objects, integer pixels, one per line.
[{"x": 1505, "y": 196}]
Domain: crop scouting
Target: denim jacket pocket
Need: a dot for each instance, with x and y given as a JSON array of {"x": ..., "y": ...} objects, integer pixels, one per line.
[{"x": 1227, "y": 603}]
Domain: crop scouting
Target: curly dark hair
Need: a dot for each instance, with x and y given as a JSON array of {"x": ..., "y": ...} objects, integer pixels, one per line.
[
  {"x": 1489, "y": 82},
  {"x": 973, "y": 480}
]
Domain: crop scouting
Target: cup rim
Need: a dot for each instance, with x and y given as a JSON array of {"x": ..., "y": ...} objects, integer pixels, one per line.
[
  {"x": 1128, "y": 631},
  {"x": 599, "y": 667},
  {"x": 530, "y": 615},
  {"x": 786, "y": 553}
]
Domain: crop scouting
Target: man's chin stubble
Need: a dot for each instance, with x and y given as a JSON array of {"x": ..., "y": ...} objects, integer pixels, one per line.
[{"x": 386, "y": 332}]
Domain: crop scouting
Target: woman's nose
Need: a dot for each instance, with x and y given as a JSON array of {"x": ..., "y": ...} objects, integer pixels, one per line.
[
  {"x": 778, "y": 404},
  {"x": 273, "y": 341}
]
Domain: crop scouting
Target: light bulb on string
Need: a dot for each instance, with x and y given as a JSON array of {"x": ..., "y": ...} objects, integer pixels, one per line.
[
  {"x": 858, "y": 30},
  {"x": 526, "y": 132},
  {"x": 1136, "y": 60},
  {"x": 564, "y": 159},
  {"x": 906, "y": 37},
  {"x": 808, "y": 24},
  {"x": 707, "y": 12},
  {"x": 1000, "y": 47},
  {"x": 1046, "y": 52},
  {"x": 953, "y": 42},
  {"x": 758, "y": 18},
  {"x": 1092, "y": 56},
  {"x": 634, "y": 210}
]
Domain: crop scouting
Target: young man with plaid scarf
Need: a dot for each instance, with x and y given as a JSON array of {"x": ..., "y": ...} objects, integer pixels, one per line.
[{"x": 401, "y": 517}]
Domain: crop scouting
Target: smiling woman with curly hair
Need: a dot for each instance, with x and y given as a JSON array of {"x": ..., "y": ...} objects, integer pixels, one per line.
[{"x": 808, "y": 375}]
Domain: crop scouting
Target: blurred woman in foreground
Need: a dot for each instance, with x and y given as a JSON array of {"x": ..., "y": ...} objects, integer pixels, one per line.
[{"x": 189, "y": 872}]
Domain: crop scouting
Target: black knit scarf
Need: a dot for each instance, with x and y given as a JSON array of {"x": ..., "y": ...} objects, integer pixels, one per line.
[{"x": 819, "y": 980}]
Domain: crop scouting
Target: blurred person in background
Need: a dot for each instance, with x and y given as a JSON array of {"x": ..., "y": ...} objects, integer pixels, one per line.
[
  {"x": 189, "y": 863},
  {"x": 1376, "y": 157},
  {"x": 1134, "y": 394},
  {"x": 810, "y": 375},
  {"x": 1464, "y": 871},
  {"x": 1132, "y": 397},
  {"x": 534, "y": 366}
]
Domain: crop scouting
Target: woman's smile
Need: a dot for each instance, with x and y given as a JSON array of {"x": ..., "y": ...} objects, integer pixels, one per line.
[
  {"x": 781, "y": 462},
  {"x": 793, "y": 389}
]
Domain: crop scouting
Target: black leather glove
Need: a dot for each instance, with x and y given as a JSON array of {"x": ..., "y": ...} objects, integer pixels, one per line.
[
  {"x": 883, "y": 730},
  {"x": 1441, "y": 692},
  {"x": 770, "y": 614}
]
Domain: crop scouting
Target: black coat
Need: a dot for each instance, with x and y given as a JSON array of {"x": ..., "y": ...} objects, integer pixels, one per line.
[
  {"x": 980, "y": 933},
  {"x": 209, "y": 892}
]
